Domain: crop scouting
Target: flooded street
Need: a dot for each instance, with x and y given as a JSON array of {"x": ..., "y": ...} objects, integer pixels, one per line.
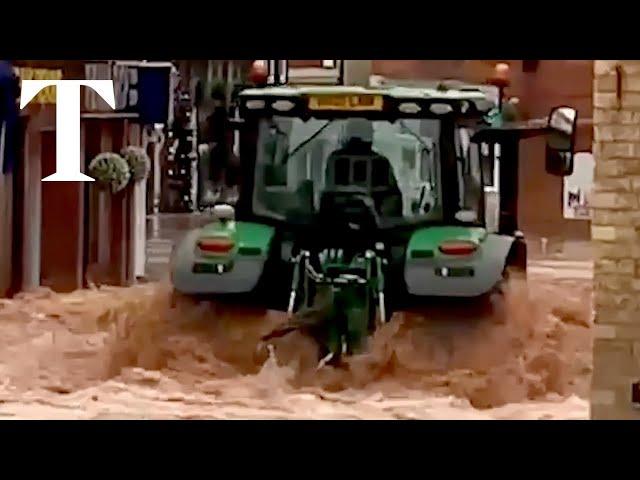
[
  {"x": 124, "y": 353},
  {"x": 377, "y": 182}
]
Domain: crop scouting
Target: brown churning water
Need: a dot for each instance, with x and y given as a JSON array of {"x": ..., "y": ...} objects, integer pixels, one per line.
[{"x": 110, "y": 342}]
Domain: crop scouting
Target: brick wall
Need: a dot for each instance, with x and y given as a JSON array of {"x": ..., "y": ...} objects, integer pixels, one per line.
[{"x": 616, "y": 233}]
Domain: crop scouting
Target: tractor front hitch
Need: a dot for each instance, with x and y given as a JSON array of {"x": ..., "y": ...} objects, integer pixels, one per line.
[{"x": 337, "y": 316}]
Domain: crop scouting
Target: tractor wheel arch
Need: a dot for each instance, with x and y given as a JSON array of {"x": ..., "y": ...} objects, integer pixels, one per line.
[{"x": 516, "y": 259}]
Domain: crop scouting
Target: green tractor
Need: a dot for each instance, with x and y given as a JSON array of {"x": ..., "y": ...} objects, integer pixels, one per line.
[{"x": 359, "y": 202}]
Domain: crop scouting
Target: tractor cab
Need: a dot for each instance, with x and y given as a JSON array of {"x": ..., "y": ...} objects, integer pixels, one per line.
[{"x": 390, "y": 157}]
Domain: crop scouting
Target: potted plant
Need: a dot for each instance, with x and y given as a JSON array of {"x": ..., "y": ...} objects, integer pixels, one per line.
[
  {"x": 138, "y": 161},
  {"x": 110, "y": 171},
  {"x": 218, "y": 89}
]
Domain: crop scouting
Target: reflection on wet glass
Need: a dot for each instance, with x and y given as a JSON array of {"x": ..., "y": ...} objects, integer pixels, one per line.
[{"x": 563, "y": 120}]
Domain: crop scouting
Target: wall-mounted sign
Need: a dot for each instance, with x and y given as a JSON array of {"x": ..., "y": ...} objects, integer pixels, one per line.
[
  {"x": 92, "y": 101},
  {"x": 141, "y": 88},
  {"x": 125, "y": 83},
  {"x": 48, "y": 95},
  {"x": 578, "y": 187},
  {"x": 154, "y": 100}
]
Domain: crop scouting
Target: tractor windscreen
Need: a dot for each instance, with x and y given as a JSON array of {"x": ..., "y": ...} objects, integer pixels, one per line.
[{"x": 394, "y": 165}]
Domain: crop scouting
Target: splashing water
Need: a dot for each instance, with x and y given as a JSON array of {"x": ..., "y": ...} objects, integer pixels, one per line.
[{"x": 126, "y": 353}]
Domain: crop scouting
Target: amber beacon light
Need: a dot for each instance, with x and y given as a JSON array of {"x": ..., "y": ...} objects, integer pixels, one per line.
[
  {"x": 501, "y": 79},
  {"x": 259, "y": 72}
]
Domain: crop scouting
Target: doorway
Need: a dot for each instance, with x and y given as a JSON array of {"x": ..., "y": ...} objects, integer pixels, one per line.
[{"x": 62, "y": 239}]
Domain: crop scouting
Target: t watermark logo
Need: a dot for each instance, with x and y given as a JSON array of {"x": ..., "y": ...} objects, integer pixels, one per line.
[{"x": 67, "y": 121}]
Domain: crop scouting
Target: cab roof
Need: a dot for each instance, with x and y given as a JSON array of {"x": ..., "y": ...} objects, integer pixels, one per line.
[
  {"x": 424, "y": 101},
  {"x": 397, "y": 92}
]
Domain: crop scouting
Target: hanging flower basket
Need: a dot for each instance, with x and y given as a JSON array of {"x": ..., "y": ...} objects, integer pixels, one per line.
[
  {"x": 218, "y": 89},
  {"x": 111, "y": 171},
  {"x": 138, "y": 161}
]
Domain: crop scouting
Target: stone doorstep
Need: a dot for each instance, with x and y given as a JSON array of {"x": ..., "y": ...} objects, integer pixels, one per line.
[{"x": 574, "y": 250}]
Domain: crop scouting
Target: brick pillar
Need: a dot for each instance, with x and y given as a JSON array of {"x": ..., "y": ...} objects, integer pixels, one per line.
[{"x": 616, "y": 236}]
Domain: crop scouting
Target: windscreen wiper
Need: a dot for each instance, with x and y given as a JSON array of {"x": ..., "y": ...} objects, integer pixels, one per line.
[
  {"x": 315, "y": 134},
  {"x": 416, "y": 136}
]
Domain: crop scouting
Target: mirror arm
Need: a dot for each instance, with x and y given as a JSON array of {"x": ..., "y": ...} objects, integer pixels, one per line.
[{"x": 236, "y": 123}]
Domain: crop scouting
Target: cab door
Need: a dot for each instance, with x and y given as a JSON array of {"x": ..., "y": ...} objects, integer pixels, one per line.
[
  {"x": 490, "y": 164},
  {"x": 479, "y": 173}
]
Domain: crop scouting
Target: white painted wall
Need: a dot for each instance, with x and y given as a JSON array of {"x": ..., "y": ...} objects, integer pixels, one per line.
[
  {"x": 140, "y": 227},
  {"x": 32, "y": 217}
]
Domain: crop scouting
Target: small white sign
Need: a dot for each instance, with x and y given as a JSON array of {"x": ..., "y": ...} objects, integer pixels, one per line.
[{"x": 578, "y": 187}]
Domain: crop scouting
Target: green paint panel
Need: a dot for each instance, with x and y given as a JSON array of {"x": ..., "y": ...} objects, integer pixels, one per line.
[
  {"x": 252, "y": 236},
  {"x": 424, "y": 242},
  {"x": 249, "y": 251},
  {"x": 421, "y": 253}
]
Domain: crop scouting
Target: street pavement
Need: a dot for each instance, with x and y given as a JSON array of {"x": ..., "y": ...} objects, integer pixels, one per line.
[
  {"x": 561, "y": 269},
  {"x": 163, "y": 232}
]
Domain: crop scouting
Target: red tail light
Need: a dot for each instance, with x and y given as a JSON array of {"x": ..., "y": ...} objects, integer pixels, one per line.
[
  {"x": 216, "y": 246},
  {"x": 458, "y": 247}
]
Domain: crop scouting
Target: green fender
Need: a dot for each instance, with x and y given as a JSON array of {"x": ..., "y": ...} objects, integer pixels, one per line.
[
  {"x": 244, "y": 264},
  {"x": 467, "y": 276}
]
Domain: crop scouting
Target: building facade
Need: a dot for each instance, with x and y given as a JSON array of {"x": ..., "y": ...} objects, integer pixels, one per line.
[
  {"x": 48, "y": 233},
  {"x": 616, "y": 239},
  {"x": 22, "y": 258}
]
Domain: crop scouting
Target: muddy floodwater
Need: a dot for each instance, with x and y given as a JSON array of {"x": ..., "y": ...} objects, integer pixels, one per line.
[{"x": 124, "y": 353}]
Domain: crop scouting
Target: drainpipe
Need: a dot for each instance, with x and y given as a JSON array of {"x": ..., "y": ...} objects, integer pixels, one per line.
[{"x": 230, "y": 80}]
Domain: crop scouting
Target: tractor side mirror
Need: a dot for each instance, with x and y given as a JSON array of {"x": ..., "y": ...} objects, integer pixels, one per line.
[
  {"x": 561, "y": 136},
  {"x": 236, "y": 124}
]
